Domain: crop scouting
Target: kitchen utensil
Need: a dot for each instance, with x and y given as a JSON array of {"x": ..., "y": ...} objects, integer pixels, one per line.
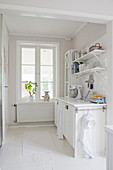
[
  {"x": 75, "y": 91},
  {"x": 91, "y": 79},
  {"x": 97, "y": 100},
  {"x": 97, "y": 46},
  {"x": 82, "y": 67}
]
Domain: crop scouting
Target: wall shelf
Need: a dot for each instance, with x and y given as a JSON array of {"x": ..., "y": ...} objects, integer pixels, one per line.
[
  {"x": 92, "y": 70},
  {"x": 92, "y": 54}
]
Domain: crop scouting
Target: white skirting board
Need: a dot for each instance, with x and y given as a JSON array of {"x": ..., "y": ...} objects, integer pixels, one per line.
[{"x": 35, "y": 112}]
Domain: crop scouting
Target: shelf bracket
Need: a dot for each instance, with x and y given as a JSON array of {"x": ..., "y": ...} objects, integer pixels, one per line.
[
  {"x": 79, "y": 76},
  {"x": 97, "y": 58},
  {"x": 98, "y": 75}
]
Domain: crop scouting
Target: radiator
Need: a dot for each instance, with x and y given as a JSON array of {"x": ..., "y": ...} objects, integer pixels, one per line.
[{"x": 35, "y": 112}]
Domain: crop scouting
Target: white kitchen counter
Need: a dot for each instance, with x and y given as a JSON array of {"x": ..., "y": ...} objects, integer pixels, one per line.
[
  {"x": 109, "y": 129},
  {"x": 79, "y": 103},
  {"x": 68, "y": 115}
]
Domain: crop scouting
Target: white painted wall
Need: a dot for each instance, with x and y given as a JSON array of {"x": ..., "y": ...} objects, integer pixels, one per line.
[
  {"x": 63, "y": 47},
  {"x": 4, "y": 90},
  {"x": 88, "y": 34},
  {"x": 110, "y": 72}
]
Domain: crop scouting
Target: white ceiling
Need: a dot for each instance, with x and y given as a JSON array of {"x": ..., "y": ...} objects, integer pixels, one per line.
[{"x": 41, "y": 26}]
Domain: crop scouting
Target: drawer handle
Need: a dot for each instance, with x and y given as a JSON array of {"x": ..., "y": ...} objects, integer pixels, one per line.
[
  {"x": 66, "y": 106},
  {"x": 57, "y": 102}
]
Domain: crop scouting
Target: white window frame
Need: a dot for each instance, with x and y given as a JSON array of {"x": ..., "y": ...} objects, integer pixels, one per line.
[
  {"x": 26, "y": 46},
  {"x": 54, "y": 67},
  {"x": 38, "y": 46}
]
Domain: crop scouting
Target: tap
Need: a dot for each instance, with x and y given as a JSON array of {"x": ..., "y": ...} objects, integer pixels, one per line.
[{"x": 87, "y": 95}]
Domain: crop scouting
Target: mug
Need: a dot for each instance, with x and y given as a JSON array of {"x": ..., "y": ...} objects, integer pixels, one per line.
[{"x": 82, "y": 67}]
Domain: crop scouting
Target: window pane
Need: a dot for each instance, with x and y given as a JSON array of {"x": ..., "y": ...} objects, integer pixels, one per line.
[
  {"x": 46, "y": 73},
  {"x": 28, "y": 55},
  {"x": 46, "y": 87},
  {"x": 28, "y": 73},
  {"x": 46, "y": 56},
  {"x": 24, "y": 93}
]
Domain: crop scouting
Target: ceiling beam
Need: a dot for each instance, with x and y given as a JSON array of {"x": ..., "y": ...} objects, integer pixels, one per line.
[{"x": 53, "y": 13}]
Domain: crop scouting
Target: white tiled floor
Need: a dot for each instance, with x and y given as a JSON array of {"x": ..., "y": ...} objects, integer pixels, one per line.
[{"x": 38, "y": 148}]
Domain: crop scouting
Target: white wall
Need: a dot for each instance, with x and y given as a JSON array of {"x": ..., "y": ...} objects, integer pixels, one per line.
[
  {"x": 110, "y": 72},
  {"x": 88, "y": 34},
  {"x": 4, "y": 90},
  {"x": 63, "y": 47}
]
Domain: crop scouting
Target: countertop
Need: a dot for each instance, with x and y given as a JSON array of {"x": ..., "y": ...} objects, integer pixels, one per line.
[
  {"x": 109, "y": 129},
  {"x": 79, "y": 103}
]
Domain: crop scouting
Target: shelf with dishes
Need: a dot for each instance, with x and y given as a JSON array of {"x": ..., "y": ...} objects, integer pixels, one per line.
[
  {"x": 81, "y": 67},
  {"x": 92, "y": 54}
]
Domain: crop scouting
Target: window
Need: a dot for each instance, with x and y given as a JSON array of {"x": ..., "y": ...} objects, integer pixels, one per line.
[
  {"x": 37, "y": 64},
  {"x": 46, "y": 71},
  {"x": 27, "y": 68}
]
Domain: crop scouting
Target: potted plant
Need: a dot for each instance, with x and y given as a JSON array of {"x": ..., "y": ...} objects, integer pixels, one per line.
[{"x": 31, "y": 88}]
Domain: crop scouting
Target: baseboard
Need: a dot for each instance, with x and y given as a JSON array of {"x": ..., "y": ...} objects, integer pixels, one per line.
[{"x": 32, "y": 124}]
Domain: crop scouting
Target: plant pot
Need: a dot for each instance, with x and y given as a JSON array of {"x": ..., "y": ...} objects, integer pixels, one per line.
[{"x": 30, "y": 98}]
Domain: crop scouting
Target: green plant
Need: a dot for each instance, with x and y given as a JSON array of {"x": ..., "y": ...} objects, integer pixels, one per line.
[{"x": 31, "y": 88}]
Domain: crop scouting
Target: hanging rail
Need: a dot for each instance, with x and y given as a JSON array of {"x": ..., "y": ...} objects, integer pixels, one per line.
[{"x": 88, "y": 109}]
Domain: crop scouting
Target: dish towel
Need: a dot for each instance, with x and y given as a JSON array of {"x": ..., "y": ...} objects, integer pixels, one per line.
[
  {"x": 59, "y": 127},
  {"x": 87, "y": 123}
]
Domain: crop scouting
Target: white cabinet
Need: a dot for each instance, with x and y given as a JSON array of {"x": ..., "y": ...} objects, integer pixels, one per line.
[
  {"x": 56, "y": 112},
  {"x": 109, "y": 130},
  {"x": 96, "y": 135},
  {"x": 71, "y": 127},
  {"x": 68, "y": 123}
]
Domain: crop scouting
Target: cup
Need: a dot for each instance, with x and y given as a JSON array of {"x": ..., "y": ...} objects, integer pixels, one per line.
[{"x": 83, "y": 67}]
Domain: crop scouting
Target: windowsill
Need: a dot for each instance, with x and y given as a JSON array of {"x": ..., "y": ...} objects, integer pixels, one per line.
[{"x": 35, "y": 102}]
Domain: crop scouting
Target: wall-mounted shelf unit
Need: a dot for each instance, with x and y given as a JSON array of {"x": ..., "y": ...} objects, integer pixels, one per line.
[
  {"x": 69, "y": 55},
  {"x": 92, "y": 54}
]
